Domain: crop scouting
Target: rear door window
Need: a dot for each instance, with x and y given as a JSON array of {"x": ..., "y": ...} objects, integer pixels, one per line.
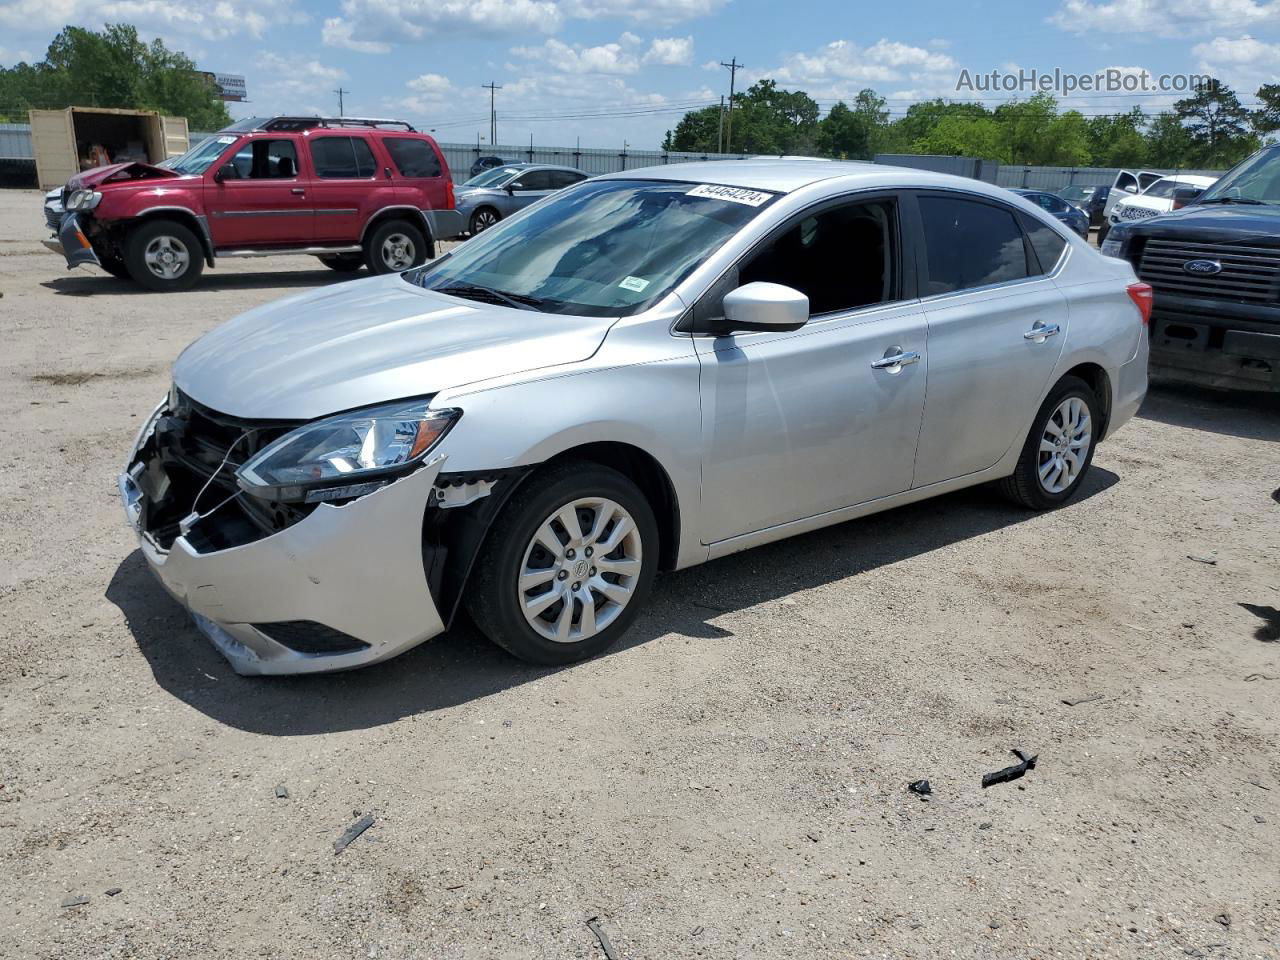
[
  {"x": 969, "y": 243},
  {"x": 413, "y": 158},
  {"x": 342, "y": 158},
  {"x": 535, "y": 180}
]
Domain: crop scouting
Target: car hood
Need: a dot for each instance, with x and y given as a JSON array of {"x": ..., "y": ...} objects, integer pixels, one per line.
[
  {"x": 467, "y": 193},
  {"x": 118, "y": 172},
  {"x": 1216, "y": 223},
  {"x": 367, "y": 342},
  {"x": 1148, "y": 203}
]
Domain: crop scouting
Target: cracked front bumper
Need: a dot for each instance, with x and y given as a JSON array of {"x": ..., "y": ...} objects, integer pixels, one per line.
[{"x": 356, "y": 568}]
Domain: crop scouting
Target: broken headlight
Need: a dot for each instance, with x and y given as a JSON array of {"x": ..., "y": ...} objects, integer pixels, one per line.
[
  {"x": 83, "y": 200},
  {"x": 346, "y": 455}
]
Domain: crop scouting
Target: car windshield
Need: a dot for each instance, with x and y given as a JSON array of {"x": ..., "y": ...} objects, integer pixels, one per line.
[
  {"x": 1256, "y": 180},
  {"x": 606, "y": 248},
  {"x": 491, "y": 178},
  {"x": 200, "y": 157},
  {"x": 1075, "y": 194}
]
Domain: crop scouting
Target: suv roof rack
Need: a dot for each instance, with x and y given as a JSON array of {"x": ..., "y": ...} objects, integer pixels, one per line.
[{"x": 307, "y": 123}]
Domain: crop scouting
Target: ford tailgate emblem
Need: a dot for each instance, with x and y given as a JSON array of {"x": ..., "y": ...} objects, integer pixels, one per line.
[{"x": 1207, "y": 267}]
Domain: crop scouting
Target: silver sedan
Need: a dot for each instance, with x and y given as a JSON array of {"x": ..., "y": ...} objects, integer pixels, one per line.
[
  {"x": 495, "y": 194},
  {"x": 644, "y": 372}
]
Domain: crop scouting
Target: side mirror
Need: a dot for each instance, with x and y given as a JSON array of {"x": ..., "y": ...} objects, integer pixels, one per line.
[
  {"x": 1129, "y": 188},
  {"x": 1184, "y": 195},
  {"x": 766, "y": 306},
  {"x": 226, "y": 172}
]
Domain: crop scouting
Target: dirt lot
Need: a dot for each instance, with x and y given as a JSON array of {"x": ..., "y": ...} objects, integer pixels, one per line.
[{"x": 729, "y": 783}]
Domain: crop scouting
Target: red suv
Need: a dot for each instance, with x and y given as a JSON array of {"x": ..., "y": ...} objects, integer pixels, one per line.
[{"x": 352, "y": 192}]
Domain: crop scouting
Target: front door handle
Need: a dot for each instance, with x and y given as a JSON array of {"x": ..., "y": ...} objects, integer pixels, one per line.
[
  {"x": 894, "y": 360},
  {"x": 298, "y": 191},
  {"x": 1040, "y": 331}
]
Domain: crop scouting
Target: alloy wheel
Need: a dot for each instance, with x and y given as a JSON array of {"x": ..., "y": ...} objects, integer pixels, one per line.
[
  {"x": 1064, "y": 445},
  {"x": 484, "y": 220},
  {"x": 167, "y": 257},
  {"x": 398, "y": 252},
  {"x": 580, "y": 570}
]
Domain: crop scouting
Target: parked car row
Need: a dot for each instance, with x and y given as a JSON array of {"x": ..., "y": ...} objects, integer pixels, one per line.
[{"x": 741, "y": 377}]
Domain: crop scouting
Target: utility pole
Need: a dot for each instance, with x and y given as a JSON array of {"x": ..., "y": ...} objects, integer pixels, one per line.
[
  {"x": 493, "y": 116},
  {"x": 733, "y": 66},
  {"x": 720, "y": 128},
  {"x": 340, "y": 92}
]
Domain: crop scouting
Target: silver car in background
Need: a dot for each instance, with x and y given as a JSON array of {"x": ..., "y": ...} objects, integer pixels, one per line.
[
  {"x": 498, "y": 193},
  {"x": 648, "y": 371}
]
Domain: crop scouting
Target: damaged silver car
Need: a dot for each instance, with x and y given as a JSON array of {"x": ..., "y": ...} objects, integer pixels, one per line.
[{"x": 643, "y": 372}]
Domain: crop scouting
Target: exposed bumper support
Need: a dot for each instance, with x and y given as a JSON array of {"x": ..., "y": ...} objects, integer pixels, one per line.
[{"x": 314, "y": 570}]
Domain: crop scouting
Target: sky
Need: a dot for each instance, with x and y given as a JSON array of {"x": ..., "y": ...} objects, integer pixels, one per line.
[{"x": 615, "y": 73}]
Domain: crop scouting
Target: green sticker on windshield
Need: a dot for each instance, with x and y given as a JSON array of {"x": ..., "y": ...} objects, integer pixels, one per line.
[{"x": 634, "y": 283}]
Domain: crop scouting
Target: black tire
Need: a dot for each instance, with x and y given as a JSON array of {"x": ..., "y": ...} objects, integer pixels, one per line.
[
  {"x": 343, "y": 262},
  {"x": 139, "y": 245},
  {"x": 493, "y": 597},
  {"x": 394, "y": 246},
  {"x": 483, "y": 219},
  {"x": 114, "y": 266},
  {"x": 1103, "y": 231},
  {"x": 1025, "y": 486}
]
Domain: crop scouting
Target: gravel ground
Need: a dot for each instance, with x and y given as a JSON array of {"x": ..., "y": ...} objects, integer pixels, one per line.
[{"x": 730, "y": 782}]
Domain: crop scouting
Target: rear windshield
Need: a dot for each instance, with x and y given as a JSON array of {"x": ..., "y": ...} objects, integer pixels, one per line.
[{"x": 604, "y": 248}]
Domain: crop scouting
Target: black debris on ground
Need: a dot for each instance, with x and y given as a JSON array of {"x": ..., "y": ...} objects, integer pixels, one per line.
[
  {"x": 1211, "y": 561},
  {"x": 112, "y": 891},
  {"x": 282, "y": 792},
  {"x": 353, "y": 831},
  {"x": 75, "y": 900},
  {"x": 1011, "y": 773},
  {"x": 920, "y": 788},
  {"x": 1079, "y": 700},
  {"x": 605, "y": 943}
]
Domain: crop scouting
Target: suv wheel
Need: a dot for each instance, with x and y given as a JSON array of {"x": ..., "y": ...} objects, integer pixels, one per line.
[
  {"x": 394, "y": 246},
  {"x": 164, "y": 255},
  {"x": 567, "y": 565},
  {"x": 483, "y": 219},
  {"x": 343, "y": 262}
]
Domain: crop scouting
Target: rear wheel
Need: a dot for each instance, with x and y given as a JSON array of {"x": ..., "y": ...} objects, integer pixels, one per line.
[
  {"x": 1059, "y": 450},
  {"x": 394, "y": 246},
  {"x": 566, "y": 566},
  {"x": 343, "y": 262},
  {"x": 164, "y": 255}
]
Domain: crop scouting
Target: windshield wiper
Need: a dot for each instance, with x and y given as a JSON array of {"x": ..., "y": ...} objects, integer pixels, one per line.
[
  {"x": 474, "y": 291},
  {"x": 1248, "y": 200}
]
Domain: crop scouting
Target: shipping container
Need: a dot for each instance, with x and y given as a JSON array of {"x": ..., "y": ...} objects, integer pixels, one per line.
[{"x": 67, "y": 141}]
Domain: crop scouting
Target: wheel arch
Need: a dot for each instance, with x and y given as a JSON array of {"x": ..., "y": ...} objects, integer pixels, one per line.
[
  {"x": 1096, "y": 376},
  {"x": 412, "y": 214},
  {"x": 195, "y": 222}
]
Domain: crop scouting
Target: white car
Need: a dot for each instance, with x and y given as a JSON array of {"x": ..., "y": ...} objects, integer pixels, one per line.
[
  {"x": 1155, "y": 200},
  {"x": 641, "y": 372}
]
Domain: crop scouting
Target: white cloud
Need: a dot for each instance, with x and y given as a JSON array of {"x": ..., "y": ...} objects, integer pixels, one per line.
[
  {"x": 211, "y": 21},
  {"x": 608, "y": 58},
  {"x": 670, "y": 51},
  {"x": 657, "y": 12},
  {"x": 293, "y": 84},
  {"x": 338, "y": 33},
  {"x": 10, "y": 58},
  {"x": 1164, "y": 18},
  {"x": 391, "y": 21},
  {"x": 840, "y": 69},
  {"x": 1244, "y": 64}
]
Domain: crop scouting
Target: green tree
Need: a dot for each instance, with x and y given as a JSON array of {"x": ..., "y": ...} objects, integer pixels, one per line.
[
  {"x": 1267, "y": 118},
  {"x": 767, "y": 119},
  {"x": 1219, "y": 125},
  {"x": 1117, "y": 140},
  {"x": 844, "y": 133},
  {"x": 958, "y": 135},
  {"x": 1169, "y": 143},
  {"x": 1025, "y": 128},
  {"x": 112, "y": 68},
  {"x": 903, "y": 134},
  {"x": 697, "y": 132}
]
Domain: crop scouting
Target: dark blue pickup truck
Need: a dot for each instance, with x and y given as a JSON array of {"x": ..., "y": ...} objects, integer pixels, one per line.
[{"x": 1214, "y": 266}]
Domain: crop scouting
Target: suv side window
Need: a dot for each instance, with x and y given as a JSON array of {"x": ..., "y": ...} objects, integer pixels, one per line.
[
  {"x": 840, "y": 258},
  {"x": 969, "y": 243},
  {"x": 266, "y": 159},
  {"x": 342, "y": 158},
  {"x": 413, "y": 158}
]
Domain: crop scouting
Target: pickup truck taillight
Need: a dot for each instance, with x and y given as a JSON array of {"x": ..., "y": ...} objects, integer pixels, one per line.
[
  {"x": 1140, "y": 293},
  {"x": 448, "y": 194}
]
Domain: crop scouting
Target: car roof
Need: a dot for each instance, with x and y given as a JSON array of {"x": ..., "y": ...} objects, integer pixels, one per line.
[
  {"x": 522, "y": 165},
  {"x": 786, "y": 175}
]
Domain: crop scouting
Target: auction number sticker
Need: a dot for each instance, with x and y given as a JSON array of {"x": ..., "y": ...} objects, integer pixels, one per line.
[
  {"x": 634, "y": 283},
  {"x": 226, "y": 139},
  {"x": 714, "y": 191}
]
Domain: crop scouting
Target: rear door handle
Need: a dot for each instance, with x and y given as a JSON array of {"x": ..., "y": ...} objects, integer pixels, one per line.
[
  {"x": 1040, "y": 331},
  {"x": 298, "y": 191},
  {"x": 894, "y": 360}
]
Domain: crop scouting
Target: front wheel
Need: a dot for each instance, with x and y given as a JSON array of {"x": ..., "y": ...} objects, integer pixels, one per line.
[
  {"x": 164, "y": 255},
  {"x": 394, "y": 246},
  {"x": 566, "y": 566},
  {"x": 1059, "y": 450},
  {"x": 483, "y": 219}
]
